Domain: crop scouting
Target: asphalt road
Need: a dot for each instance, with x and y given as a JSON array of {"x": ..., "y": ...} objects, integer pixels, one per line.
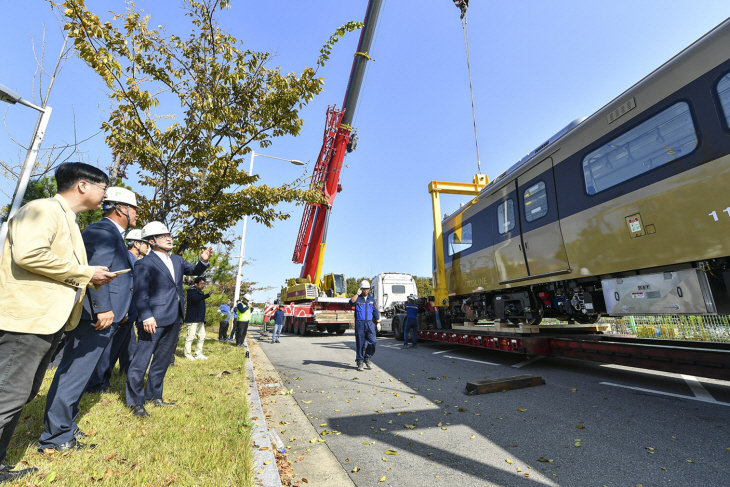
[{"x": 589, "y": 425}]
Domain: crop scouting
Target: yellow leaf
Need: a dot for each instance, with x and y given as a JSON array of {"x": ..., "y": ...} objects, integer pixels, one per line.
[
  {"x": 267, "y": 462},
  {"x": 307, "y": 402},
  {"x": 508, "y": 461},
  {"x": 391, "y": 452},
  {"x": 473, "y": 436},
  {"x": 382, "y": 479},
  {"x": 356, "y": 469}
]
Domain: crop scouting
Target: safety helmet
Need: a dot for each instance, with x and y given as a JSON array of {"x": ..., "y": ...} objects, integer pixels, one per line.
[
  {"x": 247, "y": 297},
  {"x": 152, "y": 229},
  {"x": 135, "y": 235},
  {"x": 121, "y": 195},
  {"x": 364, "y": 284},
  {"x": 412, "y": 297}
]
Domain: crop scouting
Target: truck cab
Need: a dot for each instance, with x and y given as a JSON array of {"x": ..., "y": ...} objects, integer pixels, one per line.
[{"x": 390, "y": 291}]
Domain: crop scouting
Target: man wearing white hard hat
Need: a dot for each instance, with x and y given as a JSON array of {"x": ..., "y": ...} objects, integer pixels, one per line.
[
  {"x": 366, "y": 315},
  {"x": 124, "y": 341},
  {"x": 104, "y": 310},
  {"x": 159, "y": 298}
]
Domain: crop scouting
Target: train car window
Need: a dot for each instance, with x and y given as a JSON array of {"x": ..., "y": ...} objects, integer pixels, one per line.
[
  {"x": 535, "y": 198},
  {"x": 460, "y": 239},
  {"x": 505, "y": 217},
  {"x": 723, "y": 91},
  {"x": 667, "y": 136}
]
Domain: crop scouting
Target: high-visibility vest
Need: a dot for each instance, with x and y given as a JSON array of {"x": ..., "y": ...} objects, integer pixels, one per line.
[{"x": 243, "y": 316}]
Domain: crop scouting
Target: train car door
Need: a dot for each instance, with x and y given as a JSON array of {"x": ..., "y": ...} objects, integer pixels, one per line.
[
  {"x": 508, "y": 253},
  {"x": 541, "y": 235}
]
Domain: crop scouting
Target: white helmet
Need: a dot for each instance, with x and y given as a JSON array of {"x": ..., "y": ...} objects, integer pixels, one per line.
[
  {"x": 135, "y": 235},
  {"x": 364, "y": 284},
  {"x": 152, "y": 229},
  {"x": 121, "y": 195},
  {"x": 247, "y": 297}
]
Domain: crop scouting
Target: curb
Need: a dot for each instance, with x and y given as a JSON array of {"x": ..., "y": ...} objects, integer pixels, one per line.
[{"x": 266, "y": 474}]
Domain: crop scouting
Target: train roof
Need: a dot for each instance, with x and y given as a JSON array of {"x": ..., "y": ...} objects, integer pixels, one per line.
[{"x": 523, "y": 163}]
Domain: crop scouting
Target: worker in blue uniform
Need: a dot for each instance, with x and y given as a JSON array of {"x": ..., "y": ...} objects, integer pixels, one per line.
[
  {"x": 366, "y": 316},
  {"x": 158, "y": 296},
  {"x": 411, "y": 327}
]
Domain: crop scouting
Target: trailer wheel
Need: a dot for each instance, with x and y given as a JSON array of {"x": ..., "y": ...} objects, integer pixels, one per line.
[
  {"x": 303, "y": 327},
  {"x": 341, "y": 331},
  {"x": 296, "y": 326},
  {"x": 398, "y": 327},
  {"x": 287, "y": 324},
  {"x": 331, "y": 329}
]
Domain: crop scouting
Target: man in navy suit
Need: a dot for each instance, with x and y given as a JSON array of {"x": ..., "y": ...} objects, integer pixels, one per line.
[
  {"x": 103, "y": 310},
  {"x": 158, "y": 296},
  {"x": 122, "y": 345}
]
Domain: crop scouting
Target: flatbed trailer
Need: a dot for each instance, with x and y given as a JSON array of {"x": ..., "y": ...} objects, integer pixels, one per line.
[{"x": 703, "y": 359}]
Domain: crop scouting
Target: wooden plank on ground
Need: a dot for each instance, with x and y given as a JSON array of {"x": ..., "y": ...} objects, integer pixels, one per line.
[{"x": 504, "y": 384}]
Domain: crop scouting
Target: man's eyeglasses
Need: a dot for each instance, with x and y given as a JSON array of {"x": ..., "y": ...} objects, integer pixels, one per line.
[{"x": 97, "y": 185}]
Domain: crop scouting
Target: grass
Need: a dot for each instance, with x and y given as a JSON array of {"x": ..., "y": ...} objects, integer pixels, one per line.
[{"x": 204, "y": 441}]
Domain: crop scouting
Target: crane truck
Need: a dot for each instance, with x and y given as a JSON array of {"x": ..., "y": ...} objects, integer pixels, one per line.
[{"x": 314, "y": 301}]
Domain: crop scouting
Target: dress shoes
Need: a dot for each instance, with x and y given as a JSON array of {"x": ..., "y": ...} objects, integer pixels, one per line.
[
  {"x": 7, "y": 475},
  {"x": 73, "y": 444},
  {"x": 161, "y": 404},
  {"x": 139, "y": 411}
]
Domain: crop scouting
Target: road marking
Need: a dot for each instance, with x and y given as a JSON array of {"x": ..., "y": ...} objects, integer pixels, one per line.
[
  {"x": 470, "y": 360},
  {"x": 533, "y": 359},
  {"x": 713, "y": 401},
  {"x": 697, "y": 388},
  {"x": 446, "y": 351}
]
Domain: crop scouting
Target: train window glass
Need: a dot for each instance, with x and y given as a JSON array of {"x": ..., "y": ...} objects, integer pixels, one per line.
[
  {"x": 505, "y": 217},
  {"x": 535, "y": 198},
  {"x": 723, "y": 91},
  {"x": 398, "y": 289},
  {"x": 667, "y": 136},
  {"x": 460, "y": 239}
]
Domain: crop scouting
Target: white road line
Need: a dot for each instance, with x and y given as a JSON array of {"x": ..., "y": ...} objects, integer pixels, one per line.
[
  {"x": 446, "y": 351},
  {"x": 697, "y": 388},
  {"x": 667, "y": 394},
  {"x": 470, "y": 360},
  {"x": 533, "y": 359}
]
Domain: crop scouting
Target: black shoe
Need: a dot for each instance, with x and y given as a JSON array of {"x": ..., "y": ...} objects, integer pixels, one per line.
[
  {"x": 78, "y": 434},
  {"x": 359, "y": 366},
  {"x": 69, "y": 445},
  {"x": 161, "y": 404},
  {"x": 239, "y": 346},
  {"x": 367, "y": 364},
  {"x": 277, "y": 341},
  {"x": 6, "y": 475},
  {"x": 406, "y": 346},
  {"x": 139, "y": 411}
]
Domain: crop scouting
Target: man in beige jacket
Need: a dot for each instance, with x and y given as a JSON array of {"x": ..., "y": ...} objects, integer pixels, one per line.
[{"x": 43, "y": 277}]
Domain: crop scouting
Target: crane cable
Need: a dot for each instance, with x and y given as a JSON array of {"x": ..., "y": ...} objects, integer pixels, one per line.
[{"x": 471, "y": 88}]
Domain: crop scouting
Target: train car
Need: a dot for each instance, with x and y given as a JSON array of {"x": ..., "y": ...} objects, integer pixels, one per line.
[{"x": 620, "y": 213}]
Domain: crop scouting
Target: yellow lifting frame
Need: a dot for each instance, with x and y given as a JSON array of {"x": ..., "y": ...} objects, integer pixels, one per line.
[{"x": 436, "y": 188}]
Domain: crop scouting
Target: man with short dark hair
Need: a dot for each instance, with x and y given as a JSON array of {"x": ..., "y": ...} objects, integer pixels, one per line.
[
  {"x": 278, "y": 323},
  {"x": 195, "y": 319},
  {"x": 44, "y": 272},
  {"x": 104, "y": 310}
]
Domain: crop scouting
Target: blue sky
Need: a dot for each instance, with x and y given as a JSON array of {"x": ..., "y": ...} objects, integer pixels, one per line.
[{"x": 536, "y": 66}]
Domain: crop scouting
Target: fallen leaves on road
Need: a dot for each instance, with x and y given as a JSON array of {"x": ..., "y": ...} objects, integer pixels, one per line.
[
  {"x": 508, "y": 461},
  {"x": 543, "y": 459},
  {"x": 391, "y": 452},
  {"x": 382, "y": 479},
  {"x": 410, "y": 426},
  {"x": 356, "y": 469}
]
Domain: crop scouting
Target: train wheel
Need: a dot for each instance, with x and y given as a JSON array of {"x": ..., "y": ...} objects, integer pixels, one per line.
[
  {"x": 587, "y": 319},
  {"x": 533, "y": 321},
  {"x": 397, "y": 327}
]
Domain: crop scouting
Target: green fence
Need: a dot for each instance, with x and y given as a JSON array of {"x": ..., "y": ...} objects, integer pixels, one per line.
[{"x": 257, "y": 319}]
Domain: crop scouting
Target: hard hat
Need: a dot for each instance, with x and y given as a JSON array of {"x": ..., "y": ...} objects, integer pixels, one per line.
[
  {"x": 247, "y": 297},
  {"x": 152, "y": 229},
  {"x": 135, "y": 235},
  {"x": 365, "y": 284},
  {"x": 120, "y": 195},
  {"x": 412, "y": 297}
]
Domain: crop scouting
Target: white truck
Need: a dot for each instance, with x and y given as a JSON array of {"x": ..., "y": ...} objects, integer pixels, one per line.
[{"x": 390, "y": 291}]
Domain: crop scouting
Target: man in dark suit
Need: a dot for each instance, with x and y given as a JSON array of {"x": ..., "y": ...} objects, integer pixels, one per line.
[
  {"x": 122, "y": 345},
  {"x": 103, "y": 310},
  {"x": 158, "y": 296},
  {"x": 195, "y": 319}
]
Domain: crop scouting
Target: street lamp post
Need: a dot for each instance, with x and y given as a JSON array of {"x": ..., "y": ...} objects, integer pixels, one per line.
[
  {"x": 237, "y": 292},
  {"x": 9, "y": 96}
]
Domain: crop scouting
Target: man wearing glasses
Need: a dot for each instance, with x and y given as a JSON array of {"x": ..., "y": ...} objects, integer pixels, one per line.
[
  {"x": 158, "y": 296},
  {"x": 44, "y": 273},
  {"x": 103, "y": 312}
]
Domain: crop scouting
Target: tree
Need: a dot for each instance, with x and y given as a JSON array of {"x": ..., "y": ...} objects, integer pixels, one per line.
[
  {"x": 230, "y": 102},
  {"x": 424, "y": 286}
]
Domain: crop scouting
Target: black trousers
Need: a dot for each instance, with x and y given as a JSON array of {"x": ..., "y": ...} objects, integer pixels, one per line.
[
  {"x": 223, "y": 330},
  {"x": 241, "y": 329},
  {"x": 24, "y": 358}
]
